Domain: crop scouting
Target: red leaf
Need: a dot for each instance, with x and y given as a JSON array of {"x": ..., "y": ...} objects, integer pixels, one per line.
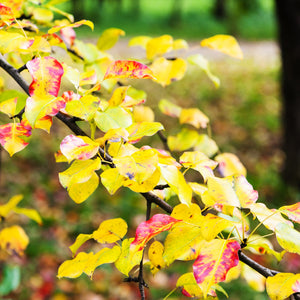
[
  {"x": 147, "y": 230},
  {"x": 46, "y": 73},
  {"x": 127, "y": 69},
  {"x": 215, "y": 259},
  {"x": 6, "y": 15}
]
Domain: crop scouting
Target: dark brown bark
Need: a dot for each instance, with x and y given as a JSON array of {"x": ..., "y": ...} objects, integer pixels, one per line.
[
  {"x": 219, "y": 10},
  {"x": 288, "y": 15}
]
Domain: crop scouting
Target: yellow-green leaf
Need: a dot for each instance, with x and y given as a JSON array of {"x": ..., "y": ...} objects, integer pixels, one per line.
[
  {"x": 200, "y": 61},
  {"x": 141, "y": 40},
  {"x": 110, "y": 231},
  {"x": 128, "y": 259},
  {"x": 108, "y": 38},
  {"x": 282, "y": 285},
  {"x": 113, "y": 118},
  {"x": 30, "y": 213},
  {"x": 168, "y": 108},
  {"x": 224, "y": 43},
  {"x": 184, "y": 140}
]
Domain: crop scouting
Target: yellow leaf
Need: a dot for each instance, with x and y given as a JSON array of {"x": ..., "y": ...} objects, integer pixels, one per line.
[
  {"x": 110, "y": 231},
  {"x": 229, "y": 164},
  {"x": 81, "y": 239},
  {"x": 159, "y": 46},
  {"x": 190, "y": 214},
  {"x": 9, "y": 106},
  {"x": 139, "y": 41},
  {"x": 288, "y": 238},
  {"x": 143, "y": 114},
  {"x": 14, "y": 240},
  {"x": 180, "y": 44},
  {"x": 206, "y": 145},
  {"x": 184, "y": 140},
  {"x": 73, "y": 25},
  {"x": 269, "y": 217},
  {"x": 108, "y": 38},
  {"x": 189, "y": 286},
  {"x": 282, "y": 285},
  {"x": 168, "y": 71},
  {"x": 88, "y": 262},
  {"x": 5, "y": 209},
  {"x": 253, "y": 278},
  {"x": 224, "y": 43},
  {"x": 30, "y": 213},
  {"x": 112, "y": 180},
  {"x": 193, "y": 116},
  {"x": 42, "y": 15},
  {"x": 155, "y": 256},
  {"x": 169, "y": 108},
  {"x": 177, "y": 183},
  {"x": 138, "y": 130}
]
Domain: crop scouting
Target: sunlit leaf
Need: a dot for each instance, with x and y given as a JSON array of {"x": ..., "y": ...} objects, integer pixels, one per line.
[
  {"x": 229, "y": 164},
  {"x": 87, "y": 262},
  {"x": 112, "y": 180},
  {"x": 127, "y": 259},
  {"x": 109, "y": 38},
  {"x": 83, "y": 108},
  {"x": 148, "y": 229},
  {"x": 224, "y": 43},
  {"x": 128, "y": 69},
  {"x": 288, "y": 238},
  {"x": 168, "y": 108},
  {"x": 12, "y": 137},
  {"x": 143, "y": 114},
  {"x": 78, "y": 147},
  {"x": 113, "y": 118},
  {"x": 188, "y": 285},
  {"x": 193, "y": 116},
  {"x": 206, "y": 145},
  {"x": 68, "y": 35},
  {"x": 30, "y": 213},
  {"x": 13, "y": 41},
  {"x": 177, "y": 183},
  {"x": 138, "y": 130},
  {"x": 80, "y": 179},
  {"x": 292, "y": 211},
  {"x": 184, "y": 140},
  {"x": 42, "y": 15},
  {"x": 180, "y": 44},
  {"x": 215, "y": 259},
  {"x": 110, "y": 231},
  {"x": 80, "y": 240},
  {"x": 6, "y": 208},
  {"x": 282, "y": 285},
  {"x": 37, "y": 107},
  {"x": 253, "y": 278},
  {"x": 46, "y": 75},
  {"x": 9, "y": 106},
  {"x": 118, "y": 96},
  {"x": 168, "y": 71},
  {"x": 155, "y": 256},
  {"x": 220, "y": 192},
  {"x": 159, "y": 46},
  {"x": 141, "y": 40},
  {"x": 6, "y": 15},
  {"x": 73, "y": 25},
  {"x": 269, "y": 217},
  {"x": 14, "y": 240}
]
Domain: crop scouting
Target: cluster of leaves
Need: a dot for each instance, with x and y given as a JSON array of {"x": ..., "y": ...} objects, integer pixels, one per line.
[{"x": 210, "y": 224}]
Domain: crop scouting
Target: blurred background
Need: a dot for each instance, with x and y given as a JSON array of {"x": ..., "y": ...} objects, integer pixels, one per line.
[{"x": 245, "y": 113}]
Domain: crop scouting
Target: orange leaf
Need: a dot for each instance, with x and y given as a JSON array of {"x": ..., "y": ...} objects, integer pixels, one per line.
[
  {"x": 128, "y": 69},
  {"x": 147, "y": 230},
  {"x": 46, "y": 73},
  {"x": 216, "y": 258}
]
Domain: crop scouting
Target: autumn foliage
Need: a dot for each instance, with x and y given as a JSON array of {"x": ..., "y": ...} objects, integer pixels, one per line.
[{"x": 210, "y": 223}]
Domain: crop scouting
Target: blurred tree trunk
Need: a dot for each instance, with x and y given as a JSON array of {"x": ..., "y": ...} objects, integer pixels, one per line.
[
  {"x": 288, "y": 15},
  {"x": 78, "y": 9},
  {"x": 175, "y": 15},
  {"x": 219, "y": 10}
]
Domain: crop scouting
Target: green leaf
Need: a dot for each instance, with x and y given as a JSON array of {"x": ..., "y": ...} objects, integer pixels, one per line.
[
  {"x": 113, "y": 118},
  {"x": 11, "y": 279},
  {"x": 108, "y": 38}
]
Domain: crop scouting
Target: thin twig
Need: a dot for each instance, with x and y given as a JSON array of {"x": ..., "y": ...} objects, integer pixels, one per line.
[
  {"x": 161, "y": 186},
  {"x": 164, "y": 140}
]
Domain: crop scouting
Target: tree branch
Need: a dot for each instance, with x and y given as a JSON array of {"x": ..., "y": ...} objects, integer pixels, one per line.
[{"x": 164, "y": 140}]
